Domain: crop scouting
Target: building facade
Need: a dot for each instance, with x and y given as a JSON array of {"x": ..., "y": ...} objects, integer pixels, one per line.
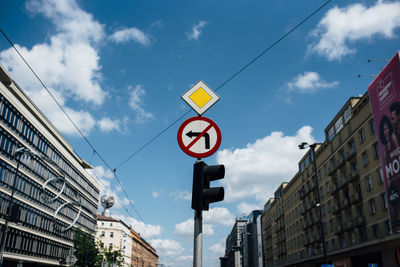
[
  {"x": 115, "y": 235},
  {"x": 43, "y": 183},
  {"x": 143, "y": 254},
  {"x": 355, "y": 219},
  {"x": 251, "y": 243},
  {"x": 233, "y": 247}
]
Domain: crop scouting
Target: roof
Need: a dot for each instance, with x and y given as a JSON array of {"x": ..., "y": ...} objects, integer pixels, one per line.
[{"x": 104, "y": 218}]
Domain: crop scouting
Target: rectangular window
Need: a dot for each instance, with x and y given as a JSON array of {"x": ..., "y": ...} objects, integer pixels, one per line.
[
  {"x": 375, "y": 150},
  {"x": 387, "y": 227},
  {"x": 368, "y": 182},
  {"x": 103, "y": 234},
  {"x": 375, "y": 230},
  {"x": 327, "y": 187},
  {"x": 384, "y": 201},
  {"x": 365, "y": 159},
  {"x": 111, "y": 234},
  {"x": 371, "y": 127},
  {"x": 361, "y": 136},
  {"x": 372, "y": 207},
  {"x": 379, "y": 174}
]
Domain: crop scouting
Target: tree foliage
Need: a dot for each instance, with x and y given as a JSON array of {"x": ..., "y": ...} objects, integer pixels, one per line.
[{"x": 86, "y": 251}]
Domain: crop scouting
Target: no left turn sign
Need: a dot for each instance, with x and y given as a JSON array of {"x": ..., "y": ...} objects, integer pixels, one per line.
[{"x": 199, "y": 137}]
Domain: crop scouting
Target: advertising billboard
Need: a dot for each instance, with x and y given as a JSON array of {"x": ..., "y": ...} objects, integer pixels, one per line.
[{"x": 384, "y": 94}]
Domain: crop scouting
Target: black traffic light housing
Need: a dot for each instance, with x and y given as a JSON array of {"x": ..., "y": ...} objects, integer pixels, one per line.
[{"x": 202, "y": 194}]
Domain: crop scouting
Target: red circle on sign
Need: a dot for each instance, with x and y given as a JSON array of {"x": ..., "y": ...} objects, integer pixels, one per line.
[{"x": 194, "y": 154}]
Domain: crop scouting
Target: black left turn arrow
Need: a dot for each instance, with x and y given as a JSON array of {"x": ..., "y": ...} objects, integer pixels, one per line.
[{"x": 206, "y": 137}]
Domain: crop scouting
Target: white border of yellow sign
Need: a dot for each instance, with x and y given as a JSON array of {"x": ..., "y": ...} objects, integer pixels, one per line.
[{"x": 200, "y": 97}]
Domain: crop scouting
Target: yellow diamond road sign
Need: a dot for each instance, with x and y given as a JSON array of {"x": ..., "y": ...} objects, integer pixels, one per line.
[{"x": 200, "y": 97}]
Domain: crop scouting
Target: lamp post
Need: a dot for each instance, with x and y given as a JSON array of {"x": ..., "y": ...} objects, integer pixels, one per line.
[
  {"x": 17, "y": 155},
  {"x": 303, "y": 145}
]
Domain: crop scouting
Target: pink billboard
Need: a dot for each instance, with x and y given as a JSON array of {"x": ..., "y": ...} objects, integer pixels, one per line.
[{"x": 384, "y": 94}]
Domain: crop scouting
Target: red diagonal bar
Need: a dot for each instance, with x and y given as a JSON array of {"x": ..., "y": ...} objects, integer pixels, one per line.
[{"x": 199, "y": 136}]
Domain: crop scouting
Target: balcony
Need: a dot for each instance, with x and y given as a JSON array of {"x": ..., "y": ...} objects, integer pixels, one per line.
[
  {"x": 336, "y": 208},
  {"x": 355, "y": 199},
  {"x": 354, "y": 177},
  {"x": 339, "y": 229},
  {"x": 341, "y": 163},
  {"x": 346, "y": 204},
  {"x": 360, "y": 221},
  {"x": 351, "y": 154},
  {"x": 335, "y": 188},
  {"x": 332, "y": 171},
  {"x": 343, "y": 184}
]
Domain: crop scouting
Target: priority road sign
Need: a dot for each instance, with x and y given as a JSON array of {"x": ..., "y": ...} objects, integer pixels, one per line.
[
  {"x": 199, "y": 137},
  {"x": 200, "y": 97}
]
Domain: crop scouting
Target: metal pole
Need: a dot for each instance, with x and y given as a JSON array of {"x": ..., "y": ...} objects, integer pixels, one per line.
[
  {"x": 5, "y": 227},
  {"x": 198, "y": 232},
  {"x": 321, "y": 225}
]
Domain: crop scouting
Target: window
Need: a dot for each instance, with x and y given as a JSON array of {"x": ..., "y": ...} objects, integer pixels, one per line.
[
  {"x": 111, "y": 234},
  {"x": 102, "y": 223},
  {"x": 375, "y": 150},
  {"x": 361, "y": 136},
  {"x": 387, "y": 227},
  {"x": 111, "y": 224},
  {"x": 110, "y": 246},
  {"x": 375, "y": 230},
  {"x": 368, "y": 182},
  {"x": 371, "y": 127},
  {"x": 379, "y": 174},
  {"x": 384, "y": 201},
  {"x": 365, "y": 159},
  {"x": 372, "y": 208},
  {"x": 103, "y": 234},
  {"x": 327, "y": 187}
]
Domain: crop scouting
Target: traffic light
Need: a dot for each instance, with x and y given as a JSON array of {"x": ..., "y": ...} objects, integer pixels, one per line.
[{"x": 202, "y": 194}]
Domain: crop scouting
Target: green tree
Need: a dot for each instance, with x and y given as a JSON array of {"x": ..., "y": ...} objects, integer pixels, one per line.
[
  {"x": 86, "y": 251},
  {"x": 111, "y": 256}
]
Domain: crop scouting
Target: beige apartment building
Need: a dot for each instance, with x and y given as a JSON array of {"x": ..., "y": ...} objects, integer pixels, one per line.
[
  {"x": 353, "y": 202},
  {"x": 143, "y": 254}
]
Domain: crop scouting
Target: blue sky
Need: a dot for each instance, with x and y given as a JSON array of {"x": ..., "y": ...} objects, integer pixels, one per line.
[{"x": 119, "y": 70}]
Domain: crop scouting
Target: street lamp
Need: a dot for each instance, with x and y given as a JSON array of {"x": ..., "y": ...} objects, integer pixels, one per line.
[
  {"x": 304, "y": 145},
  {"x": 17, "y": 155}
]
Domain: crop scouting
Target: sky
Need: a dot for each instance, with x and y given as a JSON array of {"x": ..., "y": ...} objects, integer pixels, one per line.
[{"x": 119, "y": 70}]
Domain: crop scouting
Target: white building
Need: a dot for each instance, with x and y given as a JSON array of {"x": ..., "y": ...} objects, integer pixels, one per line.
[
  {"x": 115, "y": 234},
  {"x": 43, "y": 180}
]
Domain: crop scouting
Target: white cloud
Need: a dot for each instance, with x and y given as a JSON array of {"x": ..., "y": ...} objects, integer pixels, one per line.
[
  {"x": 147, "y": 231},
  {"x": 259, "y": 168},
  {"x": 167, "y": 247},
  {"x": 185, "y": 195},
  {"x": 245, "y": 208},
  {"x": 188, "y": 258},
  {"x": 309, "y": 82},
  {"x": 342, "y": 27},
  {"x": 217, "y": 249},
  {"x": 136, "y": 101},
  {"x": 71, "y": 68},
  {"x": 131, "y": 34},
  {"x": 186, "y": 228},
  {"x": 155, "y": 194},
  {"x": 196, "y": 30},
  {"x": 217, "y": 215},
  {"x": 107, "y": 125}
]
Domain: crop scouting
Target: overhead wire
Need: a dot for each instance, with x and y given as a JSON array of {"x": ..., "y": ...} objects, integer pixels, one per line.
[
  {"x": 170, "y": 125},
  {"x": 228, "y": 80}
]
